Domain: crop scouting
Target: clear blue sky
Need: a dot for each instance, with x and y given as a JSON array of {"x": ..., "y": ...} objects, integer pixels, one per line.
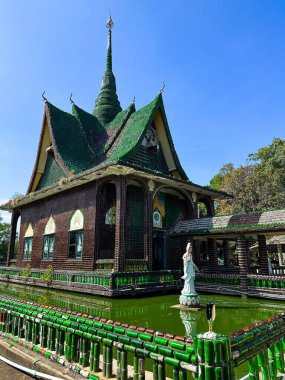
[{"x": 222, "y": 63}]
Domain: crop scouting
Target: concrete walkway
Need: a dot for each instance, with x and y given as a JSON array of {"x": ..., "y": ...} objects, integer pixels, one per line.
[{"x": 8, "y": 373}]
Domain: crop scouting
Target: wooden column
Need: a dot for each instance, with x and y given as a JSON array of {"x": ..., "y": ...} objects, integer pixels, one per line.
[
  {"x": 97, "y": 215},
  {"x": 13, "y": 234},
  {"x": 247, "y": 244},
  {"x": 280, "y": 254},
  {"x": 263, "y": 256},
  {"x": 242, "y": 259},
  {"x": 226, "y": 250},
  {"x": 213, "y": 257},
  {"x": 197, "y": 256},
  {"x": 148, "y": 228},
  {"x": 121, "y": 201}
]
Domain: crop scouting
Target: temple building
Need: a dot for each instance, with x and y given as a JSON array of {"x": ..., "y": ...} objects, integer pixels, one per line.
[{"x": 106, "y": 189}]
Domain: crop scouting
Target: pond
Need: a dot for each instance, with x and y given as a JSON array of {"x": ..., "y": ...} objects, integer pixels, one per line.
[{"x": 155, "y": 312}]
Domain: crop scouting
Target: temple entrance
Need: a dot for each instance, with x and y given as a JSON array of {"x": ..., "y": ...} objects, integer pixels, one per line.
[{"x": 158, "y": 250}]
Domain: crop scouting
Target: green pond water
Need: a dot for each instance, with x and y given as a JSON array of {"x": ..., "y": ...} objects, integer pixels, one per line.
[{"x": 155, "y": 312}]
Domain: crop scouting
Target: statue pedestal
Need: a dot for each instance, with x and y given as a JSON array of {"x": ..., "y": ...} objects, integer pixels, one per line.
[{"x": 189, "y": 300}]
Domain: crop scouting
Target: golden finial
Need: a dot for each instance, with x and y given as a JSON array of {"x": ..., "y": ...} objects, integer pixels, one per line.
[{"x": 110, "y": 23}]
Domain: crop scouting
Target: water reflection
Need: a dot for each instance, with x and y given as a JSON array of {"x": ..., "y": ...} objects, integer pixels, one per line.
[{"x": 189, "y": 320}]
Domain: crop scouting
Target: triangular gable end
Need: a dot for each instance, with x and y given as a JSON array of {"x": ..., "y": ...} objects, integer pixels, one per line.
[
  {"x": 46, "y": 142},
  {"x": 166, "y": 160},
  {"x": 165, "y": 139}
]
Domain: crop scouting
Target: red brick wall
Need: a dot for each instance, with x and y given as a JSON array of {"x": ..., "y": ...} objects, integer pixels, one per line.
[{"x": 61, "y": 207}]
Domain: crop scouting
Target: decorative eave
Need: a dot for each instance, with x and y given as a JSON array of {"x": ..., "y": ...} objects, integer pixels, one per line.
[
  {"x": 272, "y": 222},
  {"x": 103, "y": 171}
]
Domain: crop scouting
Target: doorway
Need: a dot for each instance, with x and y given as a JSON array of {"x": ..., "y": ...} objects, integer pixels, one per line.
[{"x": 158, "y": 250}]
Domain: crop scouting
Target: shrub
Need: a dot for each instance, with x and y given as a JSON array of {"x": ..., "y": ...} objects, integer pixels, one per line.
[
  {"x": 27, "y": 271},
  {"x": 48, "y": 273}
]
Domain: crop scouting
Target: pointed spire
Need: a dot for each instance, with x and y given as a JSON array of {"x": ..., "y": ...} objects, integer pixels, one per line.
[
  {"x": 107, "y": 105},
  {"x": 110, "y": 26}
]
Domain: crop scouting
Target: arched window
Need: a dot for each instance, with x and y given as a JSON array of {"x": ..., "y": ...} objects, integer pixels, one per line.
[
  {"x": 28, "y": 243},
  {"x": 76, "y": 235},
  {"x": 204, "y": 208},
  {"x": 49, "y": 235}
]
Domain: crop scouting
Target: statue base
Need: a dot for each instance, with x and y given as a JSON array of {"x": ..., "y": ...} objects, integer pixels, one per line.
[{"x": 189, "y": 300}]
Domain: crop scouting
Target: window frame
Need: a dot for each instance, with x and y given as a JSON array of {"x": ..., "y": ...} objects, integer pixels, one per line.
[
  {"x": 28, "y": 241},
  {"x": 75, "y": 255},
  {"x": 49, "y": 256}
]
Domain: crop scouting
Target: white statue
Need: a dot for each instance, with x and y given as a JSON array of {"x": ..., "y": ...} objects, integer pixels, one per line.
[
  {"x": 189, "y": 271},
  {"x": 189, "y": 296}
]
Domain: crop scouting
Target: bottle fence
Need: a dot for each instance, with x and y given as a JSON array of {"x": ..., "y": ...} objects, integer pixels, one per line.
[{"x": 99, "y": 348}]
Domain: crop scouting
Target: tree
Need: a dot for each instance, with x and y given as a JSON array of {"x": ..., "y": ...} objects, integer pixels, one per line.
[
  {"x": 4, "y": 239},
  {"x": 257, "y": 186},
  {"x": 217, "y": 181}
]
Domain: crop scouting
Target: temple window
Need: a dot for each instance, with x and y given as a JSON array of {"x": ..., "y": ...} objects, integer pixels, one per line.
[
  {"x": 28, "y": 243},
  {"x": 110, "y": 217},
  {"x": 49, "y": 235},
  {"x": 76, "y": 235}
]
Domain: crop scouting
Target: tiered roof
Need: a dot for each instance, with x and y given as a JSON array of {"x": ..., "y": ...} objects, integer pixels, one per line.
[
  {"x": 79, "y": 146},
  {"x": 81, "y": 140}
]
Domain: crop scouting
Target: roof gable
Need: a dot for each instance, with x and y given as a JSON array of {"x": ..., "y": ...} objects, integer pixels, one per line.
[
  {"x": 130, "y": 139},
  {"x": 45, "y": 142},
  {"x": 69, "y": 140},
  {"x": 80, "y": 141}
]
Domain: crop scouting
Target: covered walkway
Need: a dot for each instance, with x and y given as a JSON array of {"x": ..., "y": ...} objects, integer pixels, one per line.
[{"x": 222, "y": 250}]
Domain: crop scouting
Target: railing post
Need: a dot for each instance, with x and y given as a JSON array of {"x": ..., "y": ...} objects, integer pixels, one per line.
[
  {"x": 67, "y": 349},
  {"x": 21, "y": 329},
  {"x": 94, "y": 356},
  {"x": 28, "y": 336},
  {"x": 272, "y": 362},
  {"x": 124, "y": 365},
  {"x": 253, "y": 369},
  {"x": 263, "y": 364},
  {"x": 51, "y": 338},
  {"x": 107, "y": 358},
  {"x": 279, "y": 354},
  {"x": 213, "y": 257},
  {"x": 263, "y": 255},
  {"x": 214, "y": 357},
  {"x": 136, "y": 367},
  {"x": 155, "y": 370},
  {"x": 36, "y": 333},
  {"x": 161, "y": 371},
  {"x": 242, "y": 260},
  {"x": 141, "y": 368},
  {"x": 15, "y": 329}
]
